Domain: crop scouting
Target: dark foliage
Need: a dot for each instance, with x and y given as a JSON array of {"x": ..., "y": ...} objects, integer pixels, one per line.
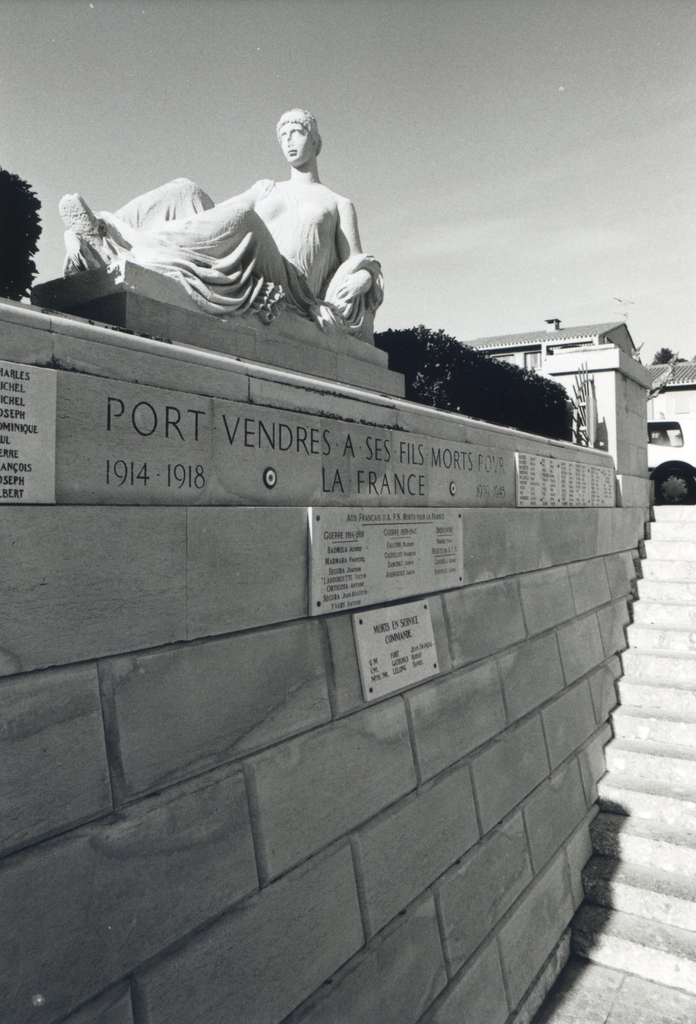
[
  {"x": 440, "y": 371},
  {"x": 20, "y": 228},
  {"x": 666, "y": 355}
]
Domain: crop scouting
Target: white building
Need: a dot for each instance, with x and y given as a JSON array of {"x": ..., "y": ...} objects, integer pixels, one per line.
[
  {"x": 530, "y": 350},
  {"x": 677, "y": 399}
]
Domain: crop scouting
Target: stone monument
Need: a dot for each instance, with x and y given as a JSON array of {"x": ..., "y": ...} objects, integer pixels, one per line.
[{"x": 281, "y": 261}]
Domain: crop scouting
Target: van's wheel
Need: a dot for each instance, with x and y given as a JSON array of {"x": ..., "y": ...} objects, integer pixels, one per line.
[{"x": 674, "y": 487}]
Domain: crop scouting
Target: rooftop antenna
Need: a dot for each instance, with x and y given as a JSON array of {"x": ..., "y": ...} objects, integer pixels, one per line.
[{"x": 625, "y": 303}]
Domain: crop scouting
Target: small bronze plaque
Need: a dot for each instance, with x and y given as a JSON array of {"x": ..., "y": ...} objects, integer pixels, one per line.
[{"x": 396, "y": 647}]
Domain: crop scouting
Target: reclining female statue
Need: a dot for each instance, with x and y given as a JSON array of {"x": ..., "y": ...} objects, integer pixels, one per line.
[{"x": 291, "y": 244}]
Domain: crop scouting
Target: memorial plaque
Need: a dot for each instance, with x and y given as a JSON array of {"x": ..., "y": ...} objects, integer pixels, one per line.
[
  {"x": 559, "y": 483},
  {"x": 27, "y": 434},
  {"x": 364, "y": 556},
  {"x": 396, "y": 647}
]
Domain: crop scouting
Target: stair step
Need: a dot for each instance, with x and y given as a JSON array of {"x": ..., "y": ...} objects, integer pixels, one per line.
[
  {"x": 654, "y": 569},
  {"x": 671, "y": 590},
  {"x": 679, "y": 529},
  {"x": 625, "y": 942},
  {"x": 671, "y": 550},
  {"x": 670, "y": 513},
  {"x": 661, "y": 638},
  {"x": 678, "y": 695},
  {"x": 656, "y": 725},
  {"x": 677, "y": 614},
  {"x": 640, "y": 841},
  {"x": 647, "y": 1002},
  {"x": 649, "y": 760},
  {"x": 646, "y": 892},
  {"x": 670, "y": 802},
  {"x": 660, "y": 664}
]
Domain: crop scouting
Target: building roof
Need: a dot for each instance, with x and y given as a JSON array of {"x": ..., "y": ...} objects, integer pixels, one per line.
[
  {"x": 667, "y": 374},
  {"x": 535, "y": 337}
]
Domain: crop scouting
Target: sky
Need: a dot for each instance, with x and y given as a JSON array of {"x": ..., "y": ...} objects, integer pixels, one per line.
[{"x": 510, "y": 161}]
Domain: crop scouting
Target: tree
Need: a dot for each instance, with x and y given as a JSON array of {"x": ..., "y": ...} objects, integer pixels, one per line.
[
  {"x": 441, "y": 371},
  {"x": 665, "y": 355},
  {"x": 20, "y": 227}
]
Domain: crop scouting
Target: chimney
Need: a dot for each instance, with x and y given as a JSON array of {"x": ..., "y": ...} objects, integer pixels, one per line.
[{"x": 553, "y": 325}]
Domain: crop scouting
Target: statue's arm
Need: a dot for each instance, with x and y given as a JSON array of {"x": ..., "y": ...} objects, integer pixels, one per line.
[{"x": 347, "y": 237}]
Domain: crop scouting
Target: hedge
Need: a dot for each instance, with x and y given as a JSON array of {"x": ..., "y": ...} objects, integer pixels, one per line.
[
  {"x": 20, "y": 228},
  {"x": 442, "y": 372}
]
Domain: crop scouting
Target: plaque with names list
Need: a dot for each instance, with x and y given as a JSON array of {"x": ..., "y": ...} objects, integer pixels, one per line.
[{"x": 364, "y": 556}]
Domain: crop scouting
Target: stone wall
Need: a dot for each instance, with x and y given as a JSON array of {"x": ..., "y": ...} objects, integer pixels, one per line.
[{"x": 202, "y": 820}]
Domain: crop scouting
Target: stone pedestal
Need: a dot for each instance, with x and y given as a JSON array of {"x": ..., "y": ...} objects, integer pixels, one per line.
[{"x": 150, "y": 304}]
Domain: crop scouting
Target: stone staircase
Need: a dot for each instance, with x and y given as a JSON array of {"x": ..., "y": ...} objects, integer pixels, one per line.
[{"x": 640, "y": 912}]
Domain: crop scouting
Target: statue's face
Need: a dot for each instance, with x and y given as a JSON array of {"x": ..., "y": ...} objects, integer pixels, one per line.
[{"x": 297, "y": 144}]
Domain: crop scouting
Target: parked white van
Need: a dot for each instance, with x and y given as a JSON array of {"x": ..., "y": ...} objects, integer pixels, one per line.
[{"x": 672, "y": 460}]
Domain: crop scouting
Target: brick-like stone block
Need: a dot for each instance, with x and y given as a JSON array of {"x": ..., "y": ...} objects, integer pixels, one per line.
[
  {"x": 393, "y": 980},
  {"x": 25, "y": 343},
  {"x": 578, "y": 849},
  {"x": 88, "y": 907},
  {"x": 526, "y": 1010},
  {"x": 619, "y": 573},
  {"x": 592, "y": 761},
  {"x": 52, "y": 754},
  {"x": 535, "y": 926},
  {"x": 605, "y": 519},
  {"x": 589, "y": 584},
  {"x": 475, "y": 893},
  {"x": 246, "y": 567},
  {"x": 612, "y": 620},
  {"x": 484, "y": 619},
  {"x": 454, "y": 715},
  {"x": 399, "y": 853},
  {"x": 441, "y": 633},
  {"x": 485, "y": 548},
  {"x": 580, "y": 644},
  {"x": 568, "y": 721},
  {"x": 114, "y": 1007},
  {"x": 530, "y": 674},
  {"x": 310, "y": 790},
  {"x": 508, "y": 769},
  {"x": 162, "y": 369},
  {"x": 567, "y": 535},
  {"x": 99, "y": 580},
  {"x": 603, "y": 689},
  {"x": 553, "y": 811},
  {"x": 546, "y": 598},
  {"x": 477, "y": 994},
  {"x": 260, "y": 961},
  {"x": 345, "y": 688},
  {"x": 522, "y": 539},
  {"x": 176, "y": 711}
]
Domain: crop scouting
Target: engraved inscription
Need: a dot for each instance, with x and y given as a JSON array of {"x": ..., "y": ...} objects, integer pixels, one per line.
[
  {"x": 122, "y": 443},
  {"x": 27, "y": 434},
  {"x": 559, "y": 483}
]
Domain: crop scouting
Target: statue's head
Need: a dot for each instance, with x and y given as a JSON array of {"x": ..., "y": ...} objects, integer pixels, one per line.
[{"x": 306, "y": 121}]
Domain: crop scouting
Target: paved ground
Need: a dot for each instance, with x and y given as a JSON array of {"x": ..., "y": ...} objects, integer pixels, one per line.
[{"x": 586, "y": 993}]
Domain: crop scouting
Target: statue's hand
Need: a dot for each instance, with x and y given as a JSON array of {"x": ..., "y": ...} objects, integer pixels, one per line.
[{"x": 355, "y": 284}]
